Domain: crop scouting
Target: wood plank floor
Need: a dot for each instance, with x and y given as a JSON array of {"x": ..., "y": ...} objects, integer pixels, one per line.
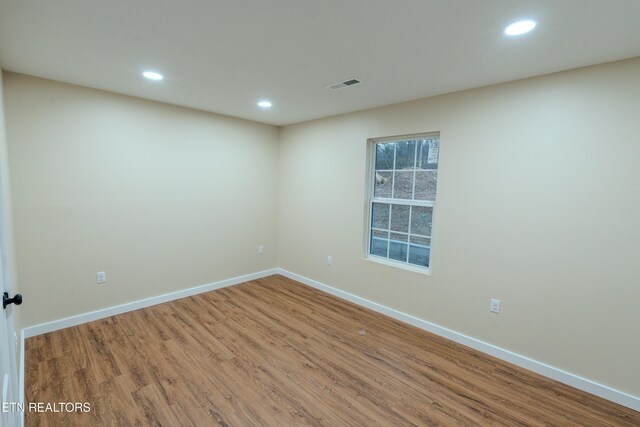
[{"x": 273, "y": 352}]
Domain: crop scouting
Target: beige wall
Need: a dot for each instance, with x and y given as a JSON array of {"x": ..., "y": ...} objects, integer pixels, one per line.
[
  {"x": 538, "y": 204},
  {"x": 162, "y": 198}
]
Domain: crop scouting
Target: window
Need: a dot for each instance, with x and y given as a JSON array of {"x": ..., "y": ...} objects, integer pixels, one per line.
[{"x": 403, "y": 176}]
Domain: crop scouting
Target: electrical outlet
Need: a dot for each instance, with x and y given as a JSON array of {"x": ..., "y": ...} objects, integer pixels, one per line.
[
  {"x": 494, "y": 305},
  {"x": 102, "y": 277},
  {"x": 261, "y": 249},
  {"x": 329, "y": 260}
]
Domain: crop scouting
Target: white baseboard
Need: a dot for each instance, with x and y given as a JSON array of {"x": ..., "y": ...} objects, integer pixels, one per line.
[
  {"x": 560, "y": 375},
  {"x": 44, "y": 328},
  {"x": 548, "y": 371},
  {"x": 55, "y": 325}
]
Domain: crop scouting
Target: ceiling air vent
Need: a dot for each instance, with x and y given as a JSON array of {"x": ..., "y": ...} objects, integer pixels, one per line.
[{"x": 346, "y": 83}]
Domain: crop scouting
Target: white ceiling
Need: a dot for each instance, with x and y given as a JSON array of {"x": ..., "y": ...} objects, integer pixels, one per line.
[{"x": 225, "y": 55}]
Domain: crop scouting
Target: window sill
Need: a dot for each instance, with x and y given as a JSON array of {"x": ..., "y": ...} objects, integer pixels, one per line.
[{"x": 399, "y": 265}]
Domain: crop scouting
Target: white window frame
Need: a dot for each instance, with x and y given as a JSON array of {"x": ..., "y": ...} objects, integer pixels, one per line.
[{"x": 370, "y": 199}]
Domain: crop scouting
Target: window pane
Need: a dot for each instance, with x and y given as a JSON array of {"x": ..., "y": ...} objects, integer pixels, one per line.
[
  {"x": 379, "y": 247},
  {"x": 400, "y": 218},
  {"x": 383, "y": 184},
  {"x": 426, "y": 185},
  {"x": 399, "y": 237},
  {"x": 419, "y": 255},
  {"x": 405, "y": 154},
  {"x": 428, "y": 151},
  {"x": 421, "y": 217},
  {"x": 398, "y": 251},
  {"x": 381, "y": 234},
  {"x": 403, "y": 185},
  {"x": 384, "y": 156},
  {"x": 380, "y": 216},
  {"x": 424, "y": 241}
]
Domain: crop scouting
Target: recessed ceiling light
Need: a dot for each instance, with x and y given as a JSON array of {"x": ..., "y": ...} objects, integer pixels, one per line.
[
  {"x": 520, "y": 27},
  {"x": 152, "y": 75},
  {"x": 264, "y": 104}
]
